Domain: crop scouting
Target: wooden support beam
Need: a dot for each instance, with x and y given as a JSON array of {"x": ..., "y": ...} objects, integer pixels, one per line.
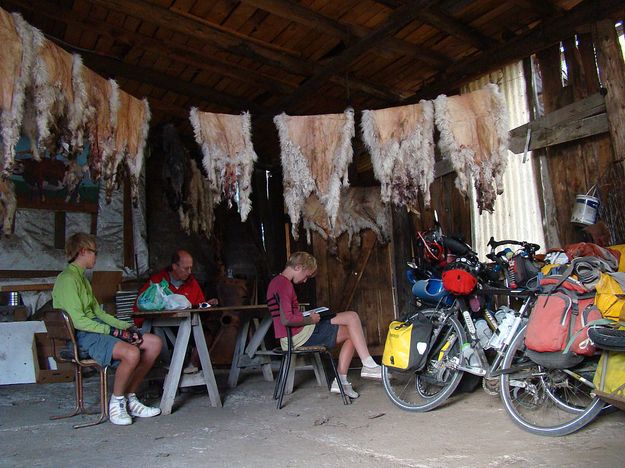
[
  {"x": 128, "y": 230},
  {"x": 578, "y": 120},
  {"x": 177, "y": 53},
  {"x": 540, "y": 7},
  {"x": 612, "y": 73},
  {"x": 302, "y": 15},
  {"x": 59, "y": 229},
  {"x": 218, "y": 36},
  {"x": 205, "y": 31},
  {"x": 111, "y": 67},
  {"x": 396, "y": 20},
  {"x": 549, "y": 32},
  {"x": 436, "y": 17},
  {"x": 348, "y": 33}
]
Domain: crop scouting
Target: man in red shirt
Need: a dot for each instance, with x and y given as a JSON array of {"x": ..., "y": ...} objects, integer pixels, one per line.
[{"x": 181, "y": 281}]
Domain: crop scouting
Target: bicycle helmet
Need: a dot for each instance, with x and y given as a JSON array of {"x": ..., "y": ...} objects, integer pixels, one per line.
[{"x": 460, "y": 277}]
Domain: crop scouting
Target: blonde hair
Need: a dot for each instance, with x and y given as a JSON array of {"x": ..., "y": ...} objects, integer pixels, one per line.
[
  {"x": 80, "y": 240},
  {"x": 303, "y": 259}
]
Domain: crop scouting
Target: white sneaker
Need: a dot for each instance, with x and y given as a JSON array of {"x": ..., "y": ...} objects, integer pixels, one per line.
[
  {"x": 139, "y": 410},
  {"x": 347, "y": 388},
  {"x": 374, "y": 373},
  {"x": 117, "y": 412}
]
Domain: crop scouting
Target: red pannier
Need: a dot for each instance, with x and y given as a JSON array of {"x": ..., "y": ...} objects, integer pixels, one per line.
[{"x": 558, "y": 318}]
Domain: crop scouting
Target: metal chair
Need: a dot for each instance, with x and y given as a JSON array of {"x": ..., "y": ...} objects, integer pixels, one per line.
[
  {"x": 61, "y": 332},
  {"x": 285, "y": 363}
]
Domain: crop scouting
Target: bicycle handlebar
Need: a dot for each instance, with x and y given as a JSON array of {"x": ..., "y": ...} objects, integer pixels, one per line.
[{"x": 529, "y": 247}]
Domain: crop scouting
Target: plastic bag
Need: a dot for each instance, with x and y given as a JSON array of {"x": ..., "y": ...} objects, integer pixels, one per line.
[
  {"x": 153, "y": 298},
  {"x": 176, "y": 302}
]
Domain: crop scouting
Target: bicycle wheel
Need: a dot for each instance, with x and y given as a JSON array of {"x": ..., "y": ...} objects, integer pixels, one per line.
[
  {"x": 549, "y": 402},
  {"x": 425, "y": 390}
]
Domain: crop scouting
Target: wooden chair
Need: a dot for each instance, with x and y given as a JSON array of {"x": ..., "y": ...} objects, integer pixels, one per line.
[
  {"x": 61, "y": 332},
  {"x": 285, "y": 364}
]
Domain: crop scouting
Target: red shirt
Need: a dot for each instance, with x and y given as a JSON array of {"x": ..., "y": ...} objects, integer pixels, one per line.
[
  {"x": 283, "y": 287},
  {"x": 190, "y": 288}
]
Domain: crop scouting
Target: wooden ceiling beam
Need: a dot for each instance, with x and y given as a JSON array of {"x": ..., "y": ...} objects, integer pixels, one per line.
[
  {"x": 436, "y": 17},
  {"x": 113, "y": 68},
  {"x": 302, "y": 15},
  {"x": 549, "y": 32},
  {"x": 233, "y": 43},
  {"x": 539, "y": 7},
  {"x": 348, "y": 34},
  {"x": 396, "y": 20},
  {"x": 205, "y": 31},
  {"x": 439, "y": 17},
  {"x": 173, "y": 52}
]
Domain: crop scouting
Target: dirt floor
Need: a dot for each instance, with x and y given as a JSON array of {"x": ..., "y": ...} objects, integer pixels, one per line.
[{"x": 313, "y": 429}]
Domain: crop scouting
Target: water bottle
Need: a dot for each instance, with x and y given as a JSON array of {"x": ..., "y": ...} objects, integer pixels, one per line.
[
  {"x": 470, "y": 357},
  {"x": 483, "y": 332},
  {"x": 505, "y": 317}
]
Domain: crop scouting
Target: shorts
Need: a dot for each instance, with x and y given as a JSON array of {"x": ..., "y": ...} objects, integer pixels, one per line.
[
  {"x": 324, "y": 334},
  {"x": 99, "y": 347}
]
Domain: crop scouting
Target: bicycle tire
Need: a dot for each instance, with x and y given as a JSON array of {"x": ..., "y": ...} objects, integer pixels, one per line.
[
  {"x": 607, "y": 338},
  {"x": 420, "y": 391},
  {"x": 546, "y": 402}
]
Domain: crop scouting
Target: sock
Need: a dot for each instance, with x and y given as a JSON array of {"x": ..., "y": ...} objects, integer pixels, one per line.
[
  {"x": 369, "y": 362},
  {"x": 343, "y": 378},
  {"x": 117, "y": 397}
]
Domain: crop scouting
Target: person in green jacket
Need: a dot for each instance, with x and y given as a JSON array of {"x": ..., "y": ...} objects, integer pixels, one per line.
[{"x": 106, "y": 339}]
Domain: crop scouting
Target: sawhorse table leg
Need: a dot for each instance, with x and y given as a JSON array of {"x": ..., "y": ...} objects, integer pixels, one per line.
[
  {"x": 205, "y": 361},
  {"x": 170, "y": 387}
]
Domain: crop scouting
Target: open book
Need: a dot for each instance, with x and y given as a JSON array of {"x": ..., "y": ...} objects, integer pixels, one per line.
[{"x": 323, "y": 312}]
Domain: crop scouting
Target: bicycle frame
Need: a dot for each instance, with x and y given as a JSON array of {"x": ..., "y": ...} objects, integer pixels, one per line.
[{"x": 486, "y": 369}]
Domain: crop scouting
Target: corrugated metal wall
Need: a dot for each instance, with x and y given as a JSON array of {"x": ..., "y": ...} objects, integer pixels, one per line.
[{"x": 516, "y": 213}]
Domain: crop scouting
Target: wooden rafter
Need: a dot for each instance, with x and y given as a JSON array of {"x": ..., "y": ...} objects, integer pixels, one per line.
[
  {"x": 540, "y": 7},
  {"x": 177, "y": 53},
  {"x": 108, "y": 66},
  {"x": 229, "y": 41},
  {"x": 398, "y": 19},
  {"x": 548, "y": 33},
  {"x": 436, "y": 17},
  {"x": 348, "y": 34}
]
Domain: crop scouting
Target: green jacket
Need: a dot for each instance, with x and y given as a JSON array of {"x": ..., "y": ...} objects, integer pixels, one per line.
[{"x": 72, "y": 293}]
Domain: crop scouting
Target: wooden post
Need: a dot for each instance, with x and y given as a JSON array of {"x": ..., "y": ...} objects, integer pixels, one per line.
[
  {"x": 612, "y": 74},
  {"x": 59, "y": 229},
  {"x": 541, "y": 165},
  {"x": 129, "y": 243}
]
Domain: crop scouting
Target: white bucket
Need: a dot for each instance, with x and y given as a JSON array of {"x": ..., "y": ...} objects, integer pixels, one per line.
[{"x": 585, "y": 210}]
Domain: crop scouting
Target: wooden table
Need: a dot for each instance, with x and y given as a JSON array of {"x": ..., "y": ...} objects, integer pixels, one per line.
[
  {"x": 189, "y": 320},
  {"x": 26, "y": 287}
]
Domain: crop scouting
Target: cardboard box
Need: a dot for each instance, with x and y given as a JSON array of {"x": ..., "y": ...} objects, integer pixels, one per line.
[{"x": 42, "y": 351}]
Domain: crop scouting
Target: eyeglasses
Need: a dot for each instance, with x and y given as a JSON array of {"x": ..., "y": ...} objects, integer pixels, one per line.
[{"x": 95, "y": 252}]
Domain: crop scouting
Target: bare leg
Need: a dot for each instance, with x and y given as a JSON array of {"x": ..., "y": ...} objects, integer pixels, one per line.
[
  {"x": 345, "y": 355},
  {"x": 150, "y": 350},
  {"x": 351, "y": 328},
  {"x": 129, "y": 355}
]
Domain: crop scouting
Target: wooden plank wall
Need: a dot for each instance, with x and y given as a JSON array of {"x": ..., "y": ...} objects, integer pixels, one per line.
[
  {"x": 383, "y": 290},
  {"x": 372, "y": 299},
  {"x": 576, "y": 166}
]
